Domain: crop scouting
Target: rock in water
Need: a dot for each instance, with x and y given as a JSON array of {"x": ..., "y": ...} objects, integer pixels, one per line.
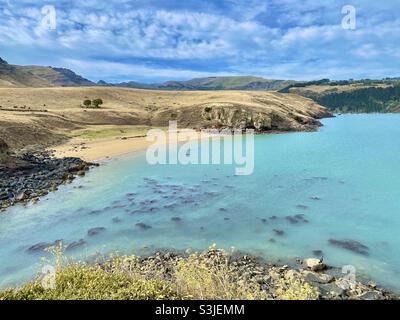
[
  {"x": 116, "y": 220},
  {"x": 318, "y": 253},
  {"x": 75, "y": 244},
  {"x": 279, "y": 232},
  {"x": 41, "y": 246},
  {"x": 351, "y": 245},
  {"x": 143, "y": 226},
  {"x": 314, "y": 264},
  {"x": 95, "y": 231}
]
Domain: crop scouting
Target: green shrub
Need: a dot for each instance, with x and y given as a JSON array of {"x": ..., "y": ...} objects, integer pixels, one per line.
[
  {"x": 97, "y": 103},
  {"x": 207, "y": 109},
  {"x": 82, "y": 282},
  {"x": 199, "y": 279},
  {"x": 87, "y": 103}
]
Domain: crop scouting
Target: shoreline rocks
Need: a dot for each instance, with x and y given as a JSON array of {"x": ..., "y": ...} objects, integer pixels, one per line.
[
  {"x": 271, "y": 276},
  {"x": 314, "y": 264},
  {"x": 30, "y": 176}
]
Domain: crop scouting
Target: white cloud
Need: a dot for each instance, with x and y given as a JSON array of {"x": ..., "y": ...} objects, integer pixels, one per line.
[{"x": 271, "y": 38}]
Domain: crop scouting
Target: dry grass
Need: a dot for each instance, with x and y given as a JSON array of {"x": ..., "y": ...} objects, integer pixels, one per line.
[
  {"x": 339, "y": 88},
  {"x": 43, "y": 115}
]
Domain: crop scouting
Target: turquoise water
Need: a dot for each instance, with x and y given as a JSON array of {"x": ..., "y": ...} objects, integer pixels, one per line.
[{"x": 344, "y": 180}]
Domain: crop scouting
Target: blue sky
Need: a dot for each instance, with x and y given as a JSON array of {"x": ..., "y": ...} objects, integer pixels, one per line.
[{"x": 153, "y": 41}]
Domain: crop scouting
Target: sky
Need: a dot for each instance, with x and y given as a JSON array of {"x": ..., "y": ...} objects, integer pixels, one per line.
[{"x": 159, "y": 40}]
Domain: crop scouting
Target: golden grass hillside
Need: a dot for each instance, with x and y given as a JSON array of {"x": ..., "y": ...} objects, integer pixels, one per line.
[{"x": 46, "y": 116}]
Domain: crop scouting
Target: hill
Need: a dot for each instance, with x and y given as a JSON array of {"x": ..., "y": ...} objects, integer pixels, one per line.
[
  {"x": 45, "y": 116},
  {"x": 352, "y": 96},
  {"x": 37, "y": 76},
  {"x": 58, "y": 76},
  {"x": 14, "y": 76},
  {"x": 41, "y": 76},
  {"x": 211, "y": 83}
]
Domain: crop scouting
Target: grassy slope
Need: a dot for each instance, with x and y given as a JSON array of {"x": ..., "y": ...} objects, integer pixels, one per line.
[
  {"x": 37, "y": 76},
  {"x": 57, "y": 76},
  {"x": 40, "y": 115},
  {"x": 14, "y": 76}
]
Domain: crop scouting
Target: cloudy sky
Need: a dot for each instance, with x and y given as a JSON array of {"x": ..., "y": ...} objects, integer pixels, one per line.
[{"x": 157, "y": 40}]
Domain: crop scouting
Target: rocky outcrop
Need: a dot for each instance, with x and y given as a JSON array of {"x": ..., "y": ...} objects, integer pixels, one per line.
[
  {"x": 238, "y": 117},
  {"x": 30, "y": 176},
  {"x": 261, "y": 114}
]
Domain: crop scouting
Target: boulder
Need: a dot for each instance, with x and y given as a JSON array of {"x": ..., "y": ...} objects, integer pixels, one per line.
[
  {"x": 22, "y": 196},
  {"x": 330, "y": 290},
  {"x": 313, "y": 277},
  {"x": 314, "y": 264}
]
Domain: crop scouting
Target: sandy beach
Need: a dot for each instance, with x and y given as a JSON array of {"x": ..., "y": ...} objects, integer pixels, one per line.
[
  {"x": 104, "y": 148},
  {"x": 97, "y": 150}
]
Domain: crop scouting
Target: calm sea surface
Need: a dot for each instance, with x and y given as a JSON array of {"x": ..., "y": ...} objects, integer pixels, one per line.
[{"x": 340, "y": 183}]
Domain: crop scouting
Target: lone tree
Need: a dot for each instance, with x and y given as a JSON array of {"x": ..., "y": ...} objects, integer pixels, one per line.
[
  {"x": 97, "y": 103},
  {"x": 87, "y": 103}
]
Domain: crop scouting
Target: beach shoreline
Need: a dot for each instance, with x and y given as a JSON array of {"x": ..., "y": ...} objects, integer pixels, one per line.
[{"x": 99, "y": 150}]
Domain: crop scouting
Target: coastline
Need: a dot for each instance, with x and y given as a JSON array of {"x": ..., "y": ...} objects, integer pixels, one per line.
[
  {"x": 209, "y": 274},
  {"x": 138, "y": 144},
  {"x": 98, "y": 150}
]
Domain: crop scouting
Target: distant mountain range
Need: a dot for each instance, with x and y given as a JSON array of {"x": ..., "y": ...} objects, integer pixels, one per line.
[
  {"x": 211, "y": 83},
  {"x": 339, "y": 96},
  {"x": 40, "y": 76}
]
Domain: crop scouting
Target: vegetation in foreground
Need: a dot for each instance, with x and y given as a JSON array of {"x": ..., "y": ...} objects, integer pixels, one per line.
[{"x": 209, "y": 275}]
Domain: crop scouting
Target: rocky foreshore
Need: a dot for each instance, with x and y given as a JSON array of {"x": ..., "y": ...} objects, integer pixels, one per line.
[
  {"x": 29, "y": 176},
  {"x": 326, "y": 282}
]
